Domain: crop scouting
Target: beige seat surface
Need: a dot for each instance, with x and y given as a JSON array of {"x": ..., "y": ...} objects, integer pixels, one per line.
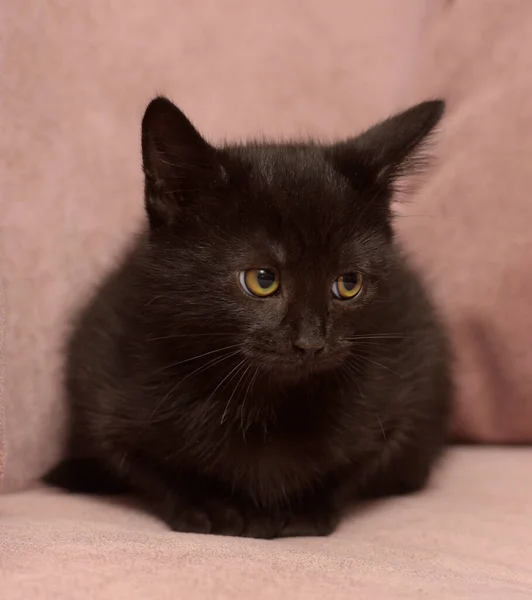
[{"x": 468, "y": 536}]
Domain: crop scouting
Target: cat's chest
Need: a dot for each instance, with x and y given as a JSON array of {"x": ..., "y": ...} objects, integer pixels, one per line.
[{"x": 285, "y": 455}]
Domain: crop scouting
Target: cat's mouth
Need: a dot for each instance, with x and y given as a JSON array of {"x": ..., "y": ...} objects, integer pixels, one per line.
[{"x": 294, "y": 366}]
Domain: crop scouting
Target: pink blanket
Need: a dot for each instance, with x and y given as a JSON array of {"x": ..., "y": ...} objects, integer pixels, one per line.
[{"x": 466, "y": 538}]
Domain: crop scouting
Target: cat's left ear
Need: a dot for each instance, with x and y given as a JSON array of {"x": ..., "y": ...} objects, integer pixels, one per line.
[
  {"x": 179, "y": 165},
  {"x": 388, "y": 150}
]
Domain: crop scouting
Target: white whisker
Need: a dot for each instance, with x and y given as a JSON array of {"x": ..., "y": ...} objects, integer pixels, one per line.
[
  {"x": 204, "y": 367},
  {"x": 378, "y": 364},
  {"x": 243, "y": 405},
  {"x": 238, "y": 366},
  {"x": 233, "y": 393},
  {"x": 198, "y": 356}
]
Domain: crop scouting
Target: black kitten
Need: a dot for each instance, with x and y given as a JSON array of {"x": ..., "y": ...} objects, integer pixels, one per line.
[{"x": 264, "y": 356}]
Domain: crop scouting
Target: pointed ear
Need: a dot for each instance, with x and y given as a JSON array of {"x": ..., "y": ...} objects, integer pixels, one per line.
[
  {"x": 178, "y": 163},
  {"x": 390, "y": 149}
]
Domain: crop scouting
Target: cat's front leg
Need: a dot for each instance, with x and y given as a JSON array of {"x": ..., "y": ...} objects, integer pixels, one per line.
[
  {"x": 196, "y": 504},
  {"x": 242, "y": 517},
  {"x": 204, "y": 515},
  {"x": 200, "y": 509},
  {"x": 222, "y": 513},
  {"x": 316, "y": 513},
  {"x": 184, "y": 502}
]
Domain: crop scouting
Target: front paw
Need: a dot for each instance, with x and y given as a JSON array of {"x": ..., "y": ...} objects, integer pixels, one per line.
[
  {"x": 225, "y": 517},
  {"x": 215, "y": 517},
  {"x": 314, "y": 522}
]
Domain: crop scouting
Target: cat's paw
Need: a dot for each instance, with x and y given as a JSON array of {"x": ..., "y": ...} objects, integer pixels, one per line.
[
  {"x": 320, "y": 522},
  {"x": 224, "y": 517},
  {"x": 220, "y": 518},
  {"x": 210, "y": 517}
]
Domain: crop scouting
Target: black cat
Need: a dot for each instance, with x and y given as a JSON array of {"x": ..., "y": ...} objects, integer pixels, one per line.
[{"x": 264, "y": 356}]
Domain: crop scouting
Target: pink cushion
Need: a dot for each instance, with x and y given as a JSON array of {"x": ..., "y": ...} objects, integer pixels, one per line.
[
  {"x": 470, "y": 228},
  {"x": 464, "y": 538},
  {"x": 2, "y": 415}
]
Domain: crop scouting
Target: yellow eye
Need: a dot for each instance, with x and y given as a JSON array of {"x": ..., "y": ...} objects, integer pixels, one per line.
[
  {"x": 347, "y": 286},
  {"x": 259, "y": 282}
]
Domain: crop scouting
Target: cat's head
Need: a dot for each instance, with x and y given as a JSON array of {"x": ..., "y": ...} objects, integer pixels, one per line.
[{"x": 281, "y": 254}]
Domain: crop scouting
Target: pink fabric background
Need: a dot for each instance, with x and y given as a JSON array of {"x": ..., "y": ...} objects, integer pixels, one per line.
[
  {"x": 2, "y": 415},
  {"x": 469, "y": 228}
]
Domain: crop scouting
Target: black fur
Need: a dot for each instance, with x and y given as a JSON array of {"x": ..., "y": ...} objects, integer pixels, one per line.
[{"x": 268, "y": 417}]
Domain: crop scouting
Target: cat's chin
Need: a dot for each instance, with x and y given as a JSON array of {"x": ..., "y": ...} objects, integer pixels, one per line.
[{"x": 293, "y": 371}]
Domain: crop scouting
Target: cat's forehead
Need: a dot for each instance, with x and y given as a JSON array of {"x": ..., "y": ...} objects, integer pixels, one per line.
[
  {"x": 292, "y": 185},
  {"x": 321, "y": 251},
  {"x": 292, "y": 202},
  {"x": 288, "y": 166}
]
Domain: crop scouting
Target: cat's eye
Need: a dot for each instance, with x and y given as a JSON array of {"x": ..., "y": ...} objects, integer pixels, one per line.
[
  {"x": 261, "y": 283},
  {"x": 347, "y": 286}
]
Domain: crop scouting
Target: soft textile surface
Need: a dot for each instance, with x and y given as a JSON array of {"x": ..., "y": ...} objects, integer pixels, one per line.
[
  {"x": 470, "y": 228},
  {"x": 76, "y": 77},
  {"x": 2, "y": 416},
  {"x": 463, "y": 539}
]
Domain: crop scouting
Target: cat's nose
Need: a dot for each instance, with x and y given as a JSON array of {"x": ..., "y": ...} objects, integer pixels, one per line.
[{"x": 309, "y": 346}]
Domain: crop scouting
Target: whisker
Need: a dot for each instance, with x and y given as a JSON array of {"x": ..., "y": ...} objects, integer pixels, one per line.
[
  {"x": 379, "y": 336},
  {"x": 233, "y": 393},
  {"x": 191, "y": 336},
  {"x": 204, "y": 367},
  {"x": 198, "y": 356},
  {"x": 378, "y": 343},
  {"x": 380, "y": 423},
  {"x": 352, "y": 371},
  {"x": 238, "y": 366},
  {"x": 354, "y": 366},
  {"x": 243, "y": 405},
  {"x": 378, "y": 364},
  {"x": 155, "y": 298}
]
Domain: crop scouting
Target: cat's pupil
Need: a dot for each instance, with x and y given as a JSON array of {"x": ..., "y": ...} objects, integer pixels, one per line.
[
  {"x": 350, "y": 282},
  {"x": 265, "y": 279}
]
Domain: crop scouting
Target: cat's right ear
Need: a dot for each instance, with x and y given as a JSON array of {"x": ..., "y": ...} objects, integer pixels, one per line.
[
  {"x": 389, "y": 150},
  {"x": 178, "y": 163}
]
